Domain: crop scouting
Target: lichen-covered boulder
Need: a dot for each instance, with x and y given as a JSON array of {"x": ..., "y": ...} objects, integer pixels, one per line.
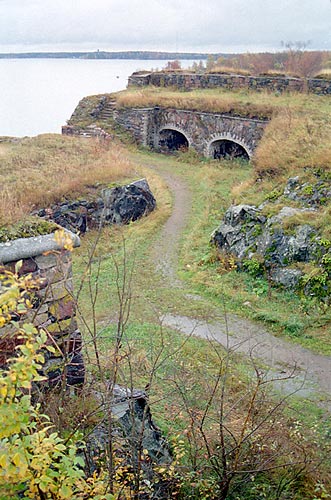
[
  {"x": 239, "y": 230},
  {"x": 246, "y": 233}
]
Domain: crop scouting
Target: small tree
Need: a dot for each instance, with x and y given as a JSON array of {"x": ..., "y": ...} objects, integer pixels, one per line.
[
  {"x": 301, "y": 62},
  {"x": 173, "y": 65}
]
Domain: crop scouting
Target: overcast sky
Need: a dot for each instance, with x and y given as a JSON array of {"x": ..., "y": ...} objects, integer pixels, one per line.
[{"x": 173, "y": 25}]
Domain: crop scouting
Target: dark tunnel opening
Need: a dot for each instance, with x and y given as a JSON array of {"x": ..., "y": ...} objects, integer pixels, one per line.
[
  {"x": 225, "y": 148},
  {"x": 171, "y": 140}
]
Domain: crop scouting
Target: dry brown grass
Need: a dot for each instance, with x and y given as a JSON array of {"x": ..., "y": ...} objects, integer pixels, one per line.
[
  {"x": 324, "y": 73},
  {"x": 229, "y": 70},
  {"x": 294, "y": 141},
  {"x": 37, "y": 171},
  {"x": 212, "y": 101},
  {"x": 242, "y": 102}
]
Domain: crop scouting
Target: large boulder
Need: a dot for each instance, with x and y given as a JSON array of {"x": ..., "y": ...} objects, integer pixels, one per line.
[
  {"x": 118, "y": 205},
  {"x": 125, "y": 204}
]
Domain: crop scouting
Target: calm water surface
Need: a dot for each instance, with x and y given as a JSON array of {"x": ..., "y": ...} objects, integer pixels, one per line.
[{"x": 39, "y": 95}]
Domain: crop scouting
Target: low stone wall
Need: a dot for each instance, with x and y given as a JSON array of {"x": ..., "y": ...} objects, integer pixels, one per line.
[
  {"x": 90, "y": 131},
  {"x": 53, "y": 305},
  {"x": 189, "y": 81},
  {"x": 118, "y": 205}
]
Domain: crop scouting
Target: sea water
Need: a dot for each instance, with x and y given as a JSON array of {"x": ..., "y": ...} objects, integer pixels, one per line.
[{"x": 39, "y": 95}]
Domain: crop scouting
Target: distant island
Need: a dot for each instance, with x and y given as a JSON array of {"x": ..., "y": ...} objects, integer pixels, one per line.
[{"x": 99, "y": 54}]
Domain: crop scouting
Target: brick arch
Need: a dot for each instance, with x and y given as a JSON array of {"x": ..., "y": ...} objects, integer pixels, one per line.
[{"x": 227, "y": 137}]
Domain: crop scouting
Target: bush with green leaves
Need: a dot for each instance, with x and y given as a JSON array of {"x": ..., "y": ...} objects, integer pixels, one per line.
[{"x": 35, "y": 462}]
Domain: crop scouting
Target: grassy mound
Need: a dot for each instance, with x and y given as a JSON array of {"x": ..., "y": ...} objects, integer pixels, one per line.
[{"x": 37, "y": 171}]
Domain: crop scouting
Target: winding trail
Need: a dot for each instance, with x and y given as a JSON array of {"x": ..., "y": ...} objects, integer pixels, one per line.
[
  {"x": 281, "y": 358},
  {"x": 165, "y": 252}
]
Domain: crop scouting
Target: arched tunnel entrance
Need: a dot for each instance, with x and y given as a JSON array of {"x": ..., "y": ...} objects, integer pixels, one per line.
[
  {"x": 224, "y": 148},
  {"x": 171, "y": 140}
]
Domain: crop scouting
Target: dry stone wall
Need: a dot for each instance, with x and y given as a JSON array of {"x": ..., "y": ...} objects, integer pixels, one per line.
[
  {"x": 53, "y": 309},
  {"x": 87, "y": 132},
  {"x": 189, "y": 81}
]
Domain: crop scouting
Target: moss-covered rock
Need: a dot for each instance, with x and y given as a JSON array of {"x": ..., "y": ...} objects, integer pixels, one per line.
[{"x": 31, "y": 226}]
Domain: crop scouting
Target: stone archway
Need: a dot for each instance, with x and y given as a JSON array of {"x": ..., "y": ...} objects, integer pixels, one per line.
[
  {"x": 171, "y": 139},
  {"x": 226, "y": 148}
]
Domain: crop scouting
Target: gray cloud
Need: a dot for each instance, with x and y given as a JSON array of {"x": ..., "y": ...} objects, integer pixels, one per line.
[{"x": 209, "y": 25}]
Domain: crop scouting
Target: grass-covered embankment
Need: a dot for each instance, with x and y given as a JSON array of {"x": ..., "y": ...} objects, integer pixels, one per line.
[{"x": 35, "y": 172}]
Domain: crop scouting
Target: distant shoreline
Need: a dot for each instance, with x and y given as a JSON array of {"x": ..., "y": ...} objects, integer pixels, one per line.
[{"x": 139, "y": 55}]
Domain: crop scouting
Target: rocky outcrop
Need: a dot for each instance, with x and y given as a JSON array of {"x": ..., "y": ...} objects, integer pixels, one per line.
[
  {"x": 311, "y": 194},
  {"x": 239, "y": 230},
  {"x": 118, "y": 205},
  {"x": 247, "y": 234}
]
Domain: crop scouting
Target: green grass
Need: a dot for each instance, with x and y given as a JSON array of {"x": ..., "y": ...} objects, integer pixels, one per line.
[
  {"x": 242, "y": 294},
  {"x": 188, "y": 364}
]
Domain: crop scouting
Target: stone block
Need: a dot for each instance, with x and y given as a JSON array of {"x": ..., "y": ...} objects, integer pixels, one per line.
[
  {"x": 56, "y": 291},
  {"x": 52, "y": 259},
  {"x": 64, "y": 327},
  {"x": 28, "y": 266},
  {"x": 63, "y": 308},
  {"x": 23, "y": 248},
  {"x": 55, "y": 274}
]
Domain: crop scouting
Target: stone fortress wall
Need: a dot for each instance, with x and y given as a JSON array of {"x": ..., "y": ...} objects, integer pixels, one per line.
[
  {"x": 200, "y": 129},
  {"x": 212, "y": 135},
  {"x": 190, "y": 81}
]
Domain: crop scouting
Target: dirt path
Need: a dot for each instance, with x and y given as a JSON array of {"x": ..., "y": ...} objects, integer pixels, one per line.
[
  {"x": 313, "y": 371},
  {"x": 165, "y": 252}
]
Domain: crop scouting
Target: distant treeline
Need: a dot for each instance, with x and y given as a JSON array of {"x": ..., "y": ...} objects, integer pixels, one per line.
[{"x": 136, "y": 54}]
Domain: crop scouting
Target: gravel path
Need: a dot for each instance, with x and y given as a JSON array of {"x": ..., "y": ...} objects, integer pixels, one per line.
[
  {"x": 312, "y": 371},
  {"x": 165, "y": 252}
]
